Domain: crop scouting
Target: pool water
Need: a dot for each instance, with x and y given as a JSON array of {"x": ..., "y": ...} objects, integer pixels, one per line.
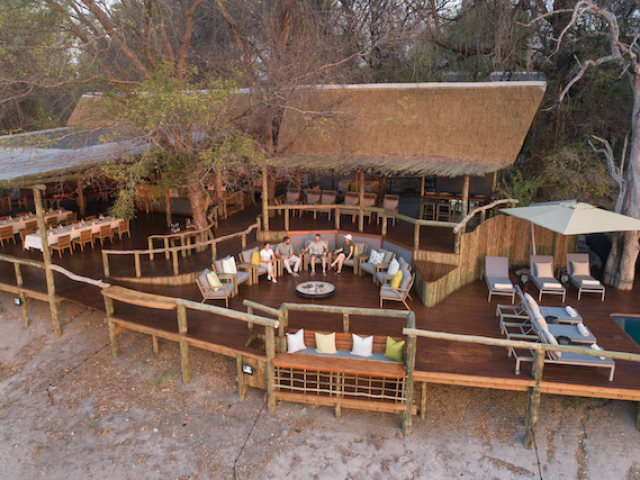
[{"x": 629, "y": 324}]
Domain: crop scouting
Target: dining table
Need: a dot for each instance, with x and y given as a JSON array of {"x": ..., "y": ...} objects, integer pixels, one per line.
[
  {"x": 19, "y": 223},
  {"x": 34, "y": 240}
]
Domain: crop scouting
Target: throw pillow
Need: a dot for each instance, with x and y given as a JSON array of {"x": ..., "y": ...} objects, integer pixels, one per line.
[
  {"x": 255, "y": 258},
  {"x": 397, "y": 280},
  {"x": 355, "y": 250},
  {"x": 543, "y": 270},
  {"x": 326, "y": 343},
  {"x": 214, "y": 281},
  {"x": 295, "y": 341},
  {"x": 362, "y": 346},
  {"x": 394, "y": 266},
  {"x": 376, "y": 257},
  {"x": 394, "y": 350},
  {"x": 552, "y": 341},
  {"x": 229, "y": 265},
  {"x": 580, "y": 269}
]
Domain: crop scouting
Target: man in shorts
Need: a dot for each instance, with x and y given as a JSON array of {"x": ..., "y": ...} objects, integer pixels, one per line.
[
  {"x": 320, "y": 249},
  {"x": 284, "y": 251}
]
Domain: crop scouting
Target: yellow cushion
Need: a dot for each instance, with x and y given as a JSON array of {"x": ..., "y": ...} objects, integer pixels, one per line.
[
  {"x": 396, "y": 280},
  {"x": 214, "y": 281},
  {"x": 326, "y": 343},
  {"x": 355, "y": 251},
  {"x": 255, "y": 258},
  {"x": 394, "y": 350}
]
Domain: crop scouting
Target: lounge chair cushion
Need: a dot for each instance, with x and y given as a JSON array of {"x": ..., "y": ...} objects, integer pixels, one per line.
[
  {"x": 376, "y": 257},
  {"x": 394, "y": 267},
  {"x": 580, "y": 269},
  {"x": 387, "y": 257},
  {"x": 242, "y": 277},
  {"x": 552, "y": 285},
  {"x": 543, "y": 270},
  {"x": 326, "y": 343},
  {"x": 590, "y": 282},
  {"x": 295, "y": 341},
  {"x": 362, "y": 346},
  {"x": 552, "y": 340},
  {"x": 388, "y": 293},
  {"x": 255, "y": 258},
  {"x": 229, "y": 265},
  {"x": 397, "y": 279},
  {"x": 406, "y": 280},
  {"x": 367, "y": 267},
  {"x": 533, "y": 305},
  {"x": 202, "y": 278},
  {"x": 214, "y": 281},
  {"x": 403, "y": 264},
  {"x": 247, "y": 254},
  {"x": 394, "y": 350},
  {"x": 500, "y": 284}
]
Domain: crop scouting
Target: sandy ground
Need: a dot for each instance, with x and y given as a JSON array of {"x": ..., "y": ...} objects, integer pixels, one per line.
[{"x": 68, "y": 410}]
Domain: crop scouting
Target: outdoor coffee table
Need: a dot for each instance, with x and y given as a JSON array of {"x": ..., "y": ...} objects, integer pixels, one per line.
[{"x": 315, "y": 289}]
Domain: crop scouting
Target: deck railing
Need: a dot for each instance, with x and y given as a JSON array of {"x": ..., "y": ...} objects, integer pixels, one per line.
[{"x": 174, "y": 252}]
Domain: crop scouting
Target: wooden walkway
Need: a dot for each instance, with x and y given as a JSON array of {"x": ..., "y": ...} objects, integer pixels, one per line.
[{"x": 464, "y": 312}]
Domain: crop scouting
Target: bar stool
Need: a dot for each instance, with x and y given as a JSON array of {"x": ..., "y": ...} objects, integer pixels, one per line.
[
  {"x": 443, "y": 211},
  {"x": 428, "y": 209}
]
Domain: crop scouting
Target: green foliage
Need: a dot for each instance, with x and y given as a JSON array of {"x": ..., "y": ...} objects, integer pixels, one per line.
[{"x": 520, "y": 187}]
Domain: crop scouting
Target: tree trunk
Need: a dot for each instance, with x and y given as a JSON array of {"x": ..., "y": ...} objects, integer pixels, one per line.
[
  {"x": 199, "y": 204},
  {"x": 612, "y": 267}
]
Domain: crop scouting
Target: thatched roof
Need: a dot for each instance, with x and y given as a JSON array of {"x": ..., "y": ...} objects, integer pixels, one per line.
[{"x": 444, "y": 129}]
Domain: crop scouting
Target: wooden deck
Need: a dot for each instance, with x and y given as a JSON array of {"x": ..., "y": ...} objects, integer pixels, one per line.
[{"x": 464, "y": 312}]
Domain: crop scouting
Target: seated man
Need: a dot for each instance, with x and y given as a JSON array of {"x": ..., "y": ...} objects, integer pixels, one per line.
[
  {"x": 318, "y": 248},
  {"x": 344, "y": 253},
  {"x": 267, "y": 259},
  {"x": 284, "y": 251}
]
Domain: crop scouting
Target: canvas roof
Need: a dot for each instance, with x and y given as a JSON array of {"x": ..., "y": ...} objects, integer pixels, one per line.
[{"x": 443, "y": 129}]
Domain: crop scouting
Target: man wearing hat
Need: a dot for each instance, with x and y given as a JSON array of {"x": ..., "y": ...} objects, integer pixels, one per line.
[{"x": 344, "y": 253}]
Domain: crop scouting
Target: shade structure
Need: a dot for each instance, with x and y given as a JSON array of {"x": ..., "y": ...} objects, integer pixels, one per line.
[{"x": 573, "y": 218}]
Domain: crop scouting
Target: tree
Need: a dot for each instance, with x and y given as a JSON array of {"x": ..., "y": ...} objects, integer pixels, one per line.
[{"x": 620, "y": 40}]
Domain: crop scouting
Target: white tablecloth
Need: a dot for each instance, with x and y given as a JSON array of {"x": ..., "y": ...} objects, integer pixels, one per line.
[
  {"x": 18, "y": 223},
  {"x": 33, "y": 240}
]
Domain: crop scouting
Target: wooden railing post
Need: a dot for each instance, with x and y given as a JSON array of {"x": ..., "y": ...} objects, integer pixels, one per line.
[
  {"x": 105, "y": 264},
  {"x": 23, "y": 297},
  {"x": 150, "y": 242},
  {"x": 115, "y": 347},
  {"x": 337, "y": 218},
  {"x": 286, "y": 219},
  {"x": 416, "y": 237},
  {"x": 166, "y": 246},
  {"x": 345, "y": 322},
  {"x": 284, "y": 323},
  {"x": 184, "y": 345},
  {"x": 136, "y": 259},
  {"x": 360, "y": 219},
  {"x": 214, "y": 252},
  {"x": 46, "y": 253},
  {"x": 240, "y": 374},
  {"x": 174, "y": 256},
  {"x": 244, "y": 242},
  {"x": 271, "y": 353},
  {"x": 410, "y": 367},
  {"x": 384, "y": 224},
  {"x": 533, "y": 402}
]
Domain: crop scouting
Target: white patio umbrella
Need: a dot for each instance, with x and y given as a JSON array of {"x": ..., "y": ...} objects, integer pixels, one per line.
[{"x": 573, "y": 218}]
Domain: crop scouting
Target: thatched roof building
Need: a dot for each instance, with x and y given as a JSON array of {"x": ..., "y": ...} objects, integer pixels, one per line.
[{"x": 443, "y": 129}]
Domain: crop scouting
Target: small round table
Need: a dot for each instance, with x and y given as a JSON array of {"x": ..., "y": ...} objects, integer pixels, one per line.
[{"x": 315, "y": 289}]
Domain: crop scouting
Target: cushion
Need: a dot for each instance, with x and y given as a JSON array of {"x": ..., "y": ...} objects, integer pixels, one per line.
[
  {"x": 403, "y": 264},
  {"x": 555, "y": 285},
  {"x": 552, "y": 340},
  {"x": 376, "y": 257},
  {"x": 542, "y": 322},
  {"x": 394, "y": 350},
  {"x": 203, "y": 278},
  {"x": 397, "y": 279},
  {"x": 255, "y": 258},
  {"x": 543, "y": 270},
  {"x": 406, "y": 279},
  {"x": 355, "y": 250},
  {"x": 229, "y": 265},
  {"x": 503, "y": 286},
  {"x": 214, "y": 281},
  {"x": 394, "y": 267},
  {"x": 533, "y": 305},
  {"x": 590, "y": 283},
  {"x": 295, "y": 341},
  {"x": 362, "y": 346},
  {"x": 326, "y": 343},
  {"x": 580, "y": 269},
  {"x": 387, "y": 257}
]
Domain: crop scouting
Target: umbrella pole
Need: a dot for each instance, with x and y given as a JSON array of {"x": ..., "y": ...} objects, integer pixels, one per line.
[{"x": 533, "y": 241}]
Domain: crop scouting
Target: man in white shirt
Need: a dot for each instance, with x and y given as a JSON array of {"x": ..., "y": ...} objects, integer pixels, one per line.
[
  {"x": 267, "y": 259},
  {"x": 318, "y": 248},
  {"x": 285, "y": 252}
]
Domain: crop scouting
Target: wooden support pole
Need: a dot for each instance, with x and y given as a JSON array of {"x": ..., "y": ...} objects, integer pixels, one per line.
[
  {"x": 115, "y": 347},
  {"x": 105, "y": 264},
  {"x": 384, "y": 225},
  {"x": 23, "y": 297},
  {"x": 167, "y": 207},
  {"x": 155, "y": 346},
  {"x": 136, "y": 259},
  {"x": 166, "y": 246},
  {"x": 174, "y": 257},
  {"x": 337, "y": 218},
  {"x": 345, "y": 322},
  {"x": 465, "y": 196},
  {"x": 244, "y": 242},
  {"x": 265, "y": 200},
  {"x": 338, "y": 410},
  {"x": 299, "y": 179},
  {"x": 284, "y": 322},
  {"x": 360, "y": 202},
  {"x": 422, "y": 186},
  {"x": 286, "y": 219},
  {"x": 46, "y": 253},
  {"x": 416, "y": 238},
  {"x": 214, "y": 252},
  {"x": 638, "y": 418},
  {"x": 494, "y": 181},
  {"x": 270, "y": 346},
  {"x": 533, "y": 405},
  {"x": 423, "y": 400},
  {"x": 409, "y": 367},
  {"x": 150, "y": 245},
  {"x": 240, "y": 373},
  {"x": 81, "y": 201},
  {"x": 184, "y": 345}
]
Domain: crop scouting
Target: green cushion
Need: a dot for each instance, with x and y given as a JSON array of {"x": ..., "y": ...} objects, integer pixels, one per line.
[
  {"x": 326, "y": 343},
  {"x": 394, "y": 350},
  {"x": 396, "y": 280}
]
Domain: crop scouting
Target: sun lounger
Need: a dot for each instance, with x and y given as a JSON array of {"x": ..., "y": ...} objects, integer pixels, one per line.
[
  {"x": 496, "y": 274},
  {"x": 580, "y": 275},
  {"x": 543, "y": 278}
]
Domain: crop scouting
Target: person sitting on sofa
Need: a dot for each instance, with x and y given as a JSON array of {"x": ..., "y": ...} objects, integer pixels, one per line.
[
  {"x": 318, "y": 248},
  {"x": 267, "y": 259},
  {"x": 284, "y": 251},
  {"x": 344, "y": 253}
]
